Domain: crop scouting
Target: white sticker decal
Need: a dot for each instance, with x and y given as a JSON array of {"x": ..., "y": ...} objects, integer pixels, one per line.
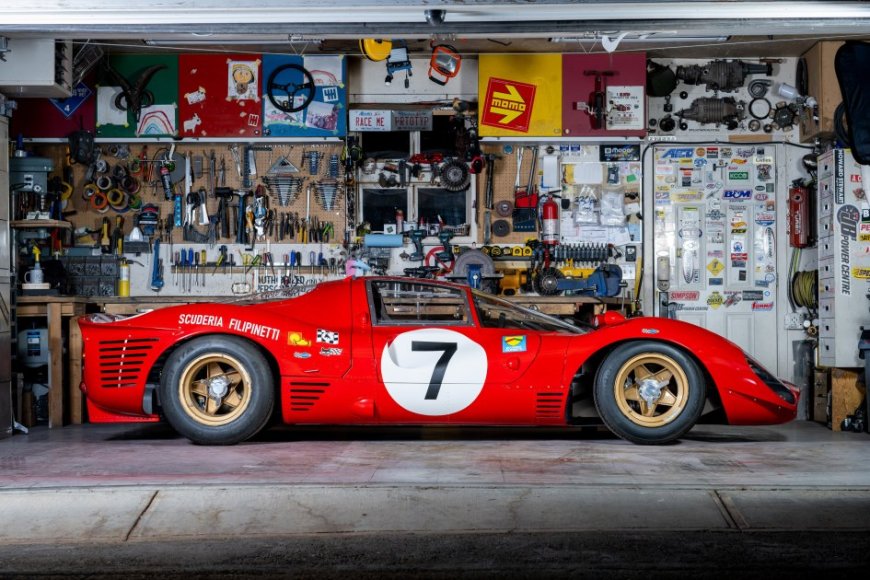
[{"x": 433, "y": 371}]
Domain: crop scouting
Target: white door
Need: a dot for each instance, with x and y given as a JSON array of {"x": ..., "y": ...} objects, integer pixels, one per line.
[{"x": 714, "y": 241}]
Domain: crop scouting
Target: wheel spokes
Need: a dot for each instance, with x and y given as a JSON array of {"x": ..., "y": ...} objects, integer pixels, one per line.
[
  {"x": 212, "y": 406},
  {"x": 664, "y": 376},
  {"x": 667, "y": 398},
  {"x": 199, "y": 388},
  {"x": 641, "y": 372},
  {"x": 233, "y": 399}
]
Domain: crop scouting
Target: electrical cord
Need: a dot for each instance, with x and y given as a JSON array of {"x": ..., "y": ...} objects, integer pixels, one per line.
[
  {"x": 792, "y": 270},
  {"x": 804, "y": 287}
]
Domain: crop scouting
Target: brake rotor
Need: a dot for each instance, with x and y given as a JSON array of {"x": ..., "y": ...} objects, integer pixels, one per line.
[
  {"x": 501, "y": 228},
  {"x": 455, "y": 175},
  {"x": 504, "y": 208}
]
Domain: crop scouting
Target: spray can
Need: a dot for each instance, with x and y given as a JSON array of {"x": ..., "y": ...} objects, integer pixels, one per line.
[{"x": 124, "y": 279}]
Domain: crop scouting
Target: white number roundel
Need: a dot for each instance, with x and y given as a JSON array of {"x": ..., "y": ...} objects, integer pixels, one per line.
[{"x": 433, "y": 371}]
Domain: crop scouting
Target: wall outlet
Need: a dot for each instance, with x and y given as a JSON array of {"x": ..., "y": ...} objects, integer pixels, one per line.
[{"x": 794, "y": 321}]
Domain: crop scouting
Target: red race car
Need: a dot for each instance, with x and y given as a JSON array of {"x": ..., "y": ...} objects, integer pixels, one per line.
[{"x": 401, "y": 351}]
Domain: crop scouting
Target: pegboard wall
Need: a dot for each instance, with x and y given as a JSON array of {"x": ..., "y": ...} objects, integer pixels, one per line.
[{"x": 297, "y": 167}]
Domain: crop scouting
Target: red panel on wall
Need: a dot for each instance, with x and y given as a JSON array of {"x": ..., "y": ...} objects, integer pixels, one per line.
[
  {"x": 53, "y": 118},
  {"x": 622, "y": 78},
  {"x": 219, "y": 95}
]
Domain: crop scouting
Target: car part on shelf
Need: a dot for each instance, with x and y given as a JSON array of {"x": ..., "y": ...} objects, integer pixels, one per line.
[
  {"x": 759, "y": 108},
  {"x": 722, "y": 75},
  {"x": 667, "y": 124},
  {"x": 718, "y": 110},
  {"x": 660, "y": 79},
  {"x": 785, "y": 115},
  {"x": 759, "y": 87}
]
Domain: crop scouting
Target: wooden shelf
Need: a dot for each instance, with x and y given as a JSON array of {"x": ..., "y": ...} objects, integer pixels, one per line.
[{"x": 34, "y": 224}]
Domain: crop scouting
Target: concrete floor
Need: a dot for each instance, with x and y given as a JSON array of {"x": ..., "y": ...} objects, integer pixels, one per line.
[{"x": 99, "y": 501}]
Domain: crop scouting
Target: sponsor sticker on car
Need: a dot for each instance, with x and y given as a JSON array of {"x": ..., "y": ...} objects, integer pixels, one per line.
[{"x": 513, "y": 343}]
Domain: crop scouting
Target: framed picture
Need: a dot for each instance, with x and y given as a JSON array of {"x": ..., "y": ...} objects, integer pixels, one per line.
[{"x": 390, "y": 228}]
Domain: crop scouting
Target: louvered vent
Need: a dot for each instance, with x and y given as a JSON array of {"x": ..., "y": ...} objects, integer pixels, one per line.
[
  {"x": 122, "y": 362},
  {"x": 549, "y": 406},
  {"x": 303, "y": 396}
]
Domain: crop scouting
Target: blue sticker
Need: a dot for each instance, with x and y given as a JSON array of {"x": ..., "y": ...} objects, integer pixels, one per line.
[
  {"x": 71, "y": 104},
  {"x": 513, "y": 343}
]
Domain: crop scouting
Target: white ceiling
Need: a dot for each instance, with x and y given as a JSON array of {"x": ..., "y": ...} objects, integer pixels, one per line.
[{"x": 774, "y": 27}]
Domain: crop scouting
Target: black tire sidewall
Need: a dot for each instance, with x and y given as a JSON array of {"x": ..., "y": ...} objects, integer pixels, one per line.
[
  {"x": 254, "y": 417},
  {"x": 621, "y": 425}
]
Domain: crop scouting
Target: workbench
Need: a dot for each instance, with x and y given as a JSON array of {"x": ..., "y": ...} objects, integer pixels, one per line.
[{"x": 55, "y": 308}]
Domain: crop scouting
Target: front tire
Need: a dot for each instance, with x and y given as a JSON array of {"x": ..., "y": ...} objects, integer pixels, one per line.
[
  {"x": 649, "y": 392},
  {"x": 217, "y": 390}
]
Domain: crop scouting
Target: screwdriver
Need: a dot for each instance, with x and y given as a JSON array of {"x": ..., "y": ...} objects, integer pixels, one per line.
[
  {"x": 221, "y": 258},
  {"x": 203, "y": 259},
  {"x": 189, "y": 267}
]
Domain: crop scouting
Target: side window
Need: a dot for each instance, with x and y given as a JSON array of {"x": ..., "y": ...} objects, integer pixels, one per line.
[{"x": 396, "y": 302}]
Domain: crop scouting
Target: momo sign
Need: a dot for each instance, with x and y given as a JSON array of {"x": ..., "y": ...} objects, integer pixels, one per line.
[{"x": 508, "y": 104}]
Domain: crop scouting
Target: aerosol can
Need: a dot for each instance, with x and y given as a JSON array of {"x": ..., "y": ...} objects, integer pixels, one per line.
[{"x": 124, "y": 278}]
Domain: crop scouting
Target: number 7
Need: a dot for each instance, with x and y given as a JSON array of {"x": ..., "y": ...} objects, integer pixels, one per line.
[{"x": 449, "y": 349}]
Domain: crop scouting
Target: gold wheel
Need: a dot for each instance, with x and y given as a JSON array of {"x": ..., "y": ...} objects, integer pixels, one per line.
[
  {"x": 214, "y": 389},
  {"x": 651, "y": 389}
]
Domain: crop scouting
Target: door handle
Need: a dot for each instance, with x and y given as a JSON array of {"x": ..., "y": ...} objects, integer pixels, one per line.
[{"x": 513, "y": 363}]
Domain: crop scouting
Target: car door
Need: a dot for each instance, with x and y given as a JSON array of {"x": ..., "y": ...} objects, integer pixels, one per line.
[{"x": 434, "y": 365}]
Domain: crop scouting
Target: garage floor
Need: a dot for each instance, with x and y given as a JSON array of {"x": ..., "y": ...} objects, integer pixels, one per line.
[{"x": 99, "y": 501}]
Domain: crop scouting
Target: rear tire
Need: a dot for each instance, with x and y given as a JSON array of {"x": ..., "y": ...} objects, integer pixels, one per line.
[
  {"x": 217, "y": 390},
  {"x": 649, "y": 392}
]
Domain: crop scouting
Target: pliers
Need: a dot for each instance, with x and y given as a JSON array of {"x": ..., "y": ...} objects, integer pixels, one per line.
[{"x": 327, "y": 232}]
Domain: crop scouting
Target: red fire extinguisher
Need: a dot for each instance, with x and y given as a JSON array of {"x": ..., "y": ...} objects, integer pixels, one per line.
[
  {"x": 798, "y": 215},
  {"x": 550, "y": 221}
]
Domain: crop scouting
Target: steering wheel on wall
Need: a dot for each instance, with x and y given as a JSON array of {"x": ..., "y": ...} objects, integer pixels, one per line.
[{"x": 283, "y": 91}]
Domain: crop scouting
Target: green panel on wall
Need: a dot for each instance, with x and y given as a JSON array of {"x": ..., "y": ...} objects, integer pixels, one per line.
[{"x": 159, "y": 96}]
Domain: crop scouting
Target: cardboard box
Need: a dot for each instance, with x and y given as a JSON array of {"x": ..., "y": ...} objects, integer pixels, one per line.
[
  {"x": 821, "y": 389},
  {"x": 847, "y": 393},
  {"x": 823, "y": 86}
]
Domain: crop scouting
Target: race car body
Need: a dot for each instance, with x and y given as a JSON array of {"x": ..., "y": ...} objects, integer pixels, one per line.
[{"x": 380, "y": 350}]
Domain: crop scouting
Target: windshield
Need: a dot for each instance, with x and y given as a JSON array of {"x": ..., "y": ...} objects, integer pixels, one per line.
[{"x": 495, "y": 312}]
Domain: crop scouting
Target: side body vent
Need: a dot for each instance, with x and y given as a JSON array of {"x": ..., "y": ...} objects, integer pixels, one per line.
[
  {"x": 304, "y": 395},
  {"x": 122, "y": 362},
  {"x": 549, "y": 406}
]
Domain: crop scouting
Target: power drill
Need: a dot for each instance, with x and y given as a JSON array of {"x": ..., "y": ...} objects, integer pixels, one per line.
[
  {"x": 445, "y": 255},
  {"x": 417, "y": 239}
]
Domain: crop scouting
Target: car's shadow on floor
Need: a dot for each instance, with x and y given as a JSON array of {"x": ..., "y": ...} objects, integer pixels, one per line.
[{"x": 291, "y": 433}]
